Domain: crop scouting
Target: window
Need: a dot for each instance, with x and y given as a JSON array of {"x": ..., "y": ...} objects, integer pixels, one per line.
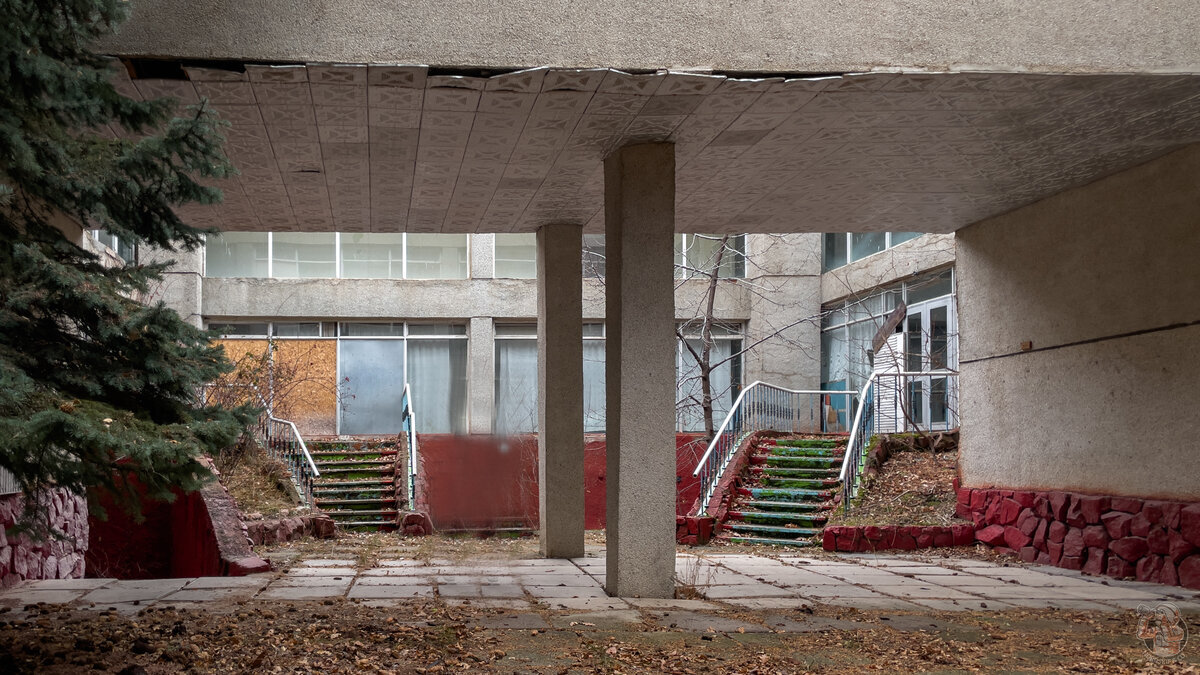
[
  {"x": 516, "y": 390},
  {"x": 594, "y": 391},
  {"x": 329, "y": 255},
  {"x": 242, "y": 330},
  {"x": 516, "y": 256},
  {"x": 725, "y": 380},
  {"x": 124, "y": 250},
  {"x": 695, "y": 255},
  {"x": 306, "y": 255},
  {"x": 372, "y": 255},
  {"x": 593, "y": 256},
  {"x": 841, "y": 248}
]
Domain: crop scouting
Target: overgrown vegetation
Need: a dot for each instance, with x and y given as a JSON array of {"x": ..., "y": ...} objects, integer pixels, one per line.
[
  {"x": 94, "y": 385},
  {"x": 258, "y": 482},
  {"x": 909, "y": 481}
]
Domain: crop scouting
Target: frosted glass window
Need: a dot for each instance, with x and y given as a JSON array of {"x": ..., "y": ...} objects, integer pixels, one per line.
[
  {"x": 437, "y": 375},
  {"x": 901, "y": 237},
  {"x": 372, "y": 376},
  {"x": 516, "y": 256},
  {"x": 593, "y": 385},
  {"x": 236, "y": 254},
  {"x": 436, "y": 329},
  {"x": 308, "y": 329},
  {"x": 593, "y": 256},
  {"x": 372, "y": 330},
  {"x": 241, "y": 329},
  {"x": 929, "y": 288},
  {"x": 376, "y": 255},
  {"x": 307, "y": 255},
  {"x": 437, "y": 256},
  {"x": 516, "y": 386},
  {"x": 863, "y": 244}
]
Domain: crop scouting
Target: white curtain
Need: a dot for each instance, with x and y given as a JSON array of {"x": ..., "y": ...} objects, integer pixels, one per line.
[
  {"x": 689, "y": 409},
  {"x": 516, "y": 386},
  {"x": 593, "y": 386},
  {"x": 437, "y": 376}
]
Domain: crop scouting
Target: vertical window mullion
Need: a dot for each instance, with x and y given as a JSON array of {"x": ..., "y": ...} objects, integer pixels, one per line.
[
  {"x": 337, "y": 255},
  {"x": 404, "y": 275}
]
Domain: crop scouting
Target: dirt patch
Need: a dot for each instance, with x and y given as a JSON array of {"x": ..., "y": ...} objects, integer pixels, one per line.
[
  {"x": 914, "y": 487},
  {"x": 258, "y": 482}
]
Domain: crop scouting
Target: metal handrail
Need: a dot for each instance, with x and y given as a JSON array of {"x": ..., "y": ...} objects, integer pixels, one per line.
[
  {"x": 758, "y": 407},
  {"x": 282, "y": 440},
  {"x": 409, "y": 426},
  {"x": 866, "y": 423}
]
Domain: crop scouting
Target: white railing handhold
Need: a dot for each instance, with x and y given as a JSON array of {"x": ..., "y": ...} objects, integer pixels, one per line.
[
  {"x": 760, "y": 407},
  {"x": 907, "y": 406},
  {"x": 408, "y": 418}
]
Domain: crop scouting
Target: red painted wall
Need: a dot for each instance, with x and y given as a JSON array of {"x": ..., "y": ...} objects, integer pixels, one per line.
[{"x": 487, "y": 482}]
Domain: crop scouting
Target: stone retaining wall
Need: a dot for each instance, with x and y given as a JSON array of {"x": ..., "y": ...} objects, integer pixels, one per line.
[
  {"x": 1150, "y": 540},
  {"x": 279, "y": 530},
  {"x": 847, "y": 538},
  {"x": 23, "y": 558}
]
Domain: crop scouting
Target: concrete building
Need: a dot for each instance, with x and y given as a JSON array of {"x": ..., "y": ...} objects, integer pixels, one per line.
[{"x": 1056, "y": 141}]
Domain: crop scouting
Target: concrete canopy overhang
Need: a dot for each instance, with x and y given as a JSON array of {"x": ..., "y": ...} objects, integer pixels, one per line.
[{"x": 390, "y": 148}]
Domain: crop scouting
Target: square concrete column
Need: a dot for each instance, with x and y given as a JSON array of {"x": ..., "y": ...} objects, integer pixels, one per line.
[
  {"x": 560, "y": 389},
  {"x": 639, "y": 214},
  {"x": 481, "y": 377}
]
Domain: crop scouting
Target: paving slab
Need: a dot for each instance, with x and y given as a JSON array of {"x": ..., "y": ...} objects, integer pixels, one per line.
[
  {"x": 209, "y": 594},
  {"x": 120, "y": 592},
  {"x": 322, "y": 572},
  {"x": 781, "y": 623},
  {"x": 501, "y": 591},
  {"x": 870, "y": 603},
  {"x": 459, "y": 591},
  {"x": 1045, "y": 603},
  {"x": 829, "y": 591},
  {"x": 310, "y": 592},
  {"x": 590, "y": 604},
  {"x": 756, "y": 590},
  {"x": 700, "y": 622},
  {"x": 256, "y": 581},
  {"x": 24, "y": 596},
  {"x": 670, "y": 603},
  {"x": 489, "y": 603},
  {"x": 320, "y": 562},
  {"x": 607, "y": 619},
  {"x": 394, "y": 581},
  {"x": 305, "y": 582},
  {"x": 522, "y": 621},
  {"x": 566, "y": 591},
  {"x": 367, "y": 592},
  {"x": 769, "y": 603},
  {"x": 578, "y": 579},
  {"x": 63, "y": 585}
]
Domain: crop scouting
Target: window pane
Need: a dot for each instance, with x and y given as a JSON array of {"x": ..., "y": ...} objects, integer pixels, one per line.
[
  {"x": 863, "y": 244},
  {"x": 372, "y": 330},
  {"x": 721, "y": 384},
  {"x": 437, "y": 256},
  {"x": 593, "y": 386},
  {"x": 436, "y": 329},
  {"x": 593, "y": 330},
  {"x": 516, "y": 386},
  {"x": 240, "y": 329},
  {"x": 372, "y": 374},
  {"x": 516, "y": 256},
  {"x": 593, "y": 256},
  {"x": 372, "y": 255},
  {"x": 297, "y": 329},
  {"x": 835, "y": 250},
  {"x": 733, "y": 263},
  {"x": 932, "y": 287},
  {"x": 901, "y": 237},
  {"x": 236, "y": 254},
  {"x": 515, "y": 329},
  {"x": 437, "y": 374},
  {"x": 306, "y": 255}
]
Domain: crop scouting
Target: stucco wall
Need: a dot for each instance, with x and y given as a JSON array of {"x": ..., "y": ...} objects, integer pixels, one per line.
[
  {"x": 783, "y": 275},
  {"x": 1104, "y": 282},
  {"x": 887, "y": 267},
  {"x": 772, "y": 35}
]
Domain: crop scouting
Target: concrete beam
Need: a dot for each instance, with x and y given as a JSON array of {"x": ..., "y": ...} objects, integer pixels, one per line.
[
  {"x": 639, "y": 197},
  {"x": 560, "y": 390}
]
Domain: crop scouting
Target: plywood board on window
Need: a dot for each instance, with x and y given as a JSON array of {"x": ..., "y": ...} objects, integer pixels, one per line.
[{"x": 306, "y": 384}]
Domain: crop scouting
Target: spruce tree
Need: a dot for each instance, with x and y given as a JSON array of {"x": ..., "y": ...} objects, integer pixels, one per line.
[{"x": 94, "y": 385}]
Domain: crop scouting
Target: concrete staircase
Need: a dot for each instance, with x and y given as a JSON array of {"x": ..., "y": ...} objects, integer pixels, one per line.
[
  {"x": 358, "y": 486},
  {"x": 783, "y": 497}
]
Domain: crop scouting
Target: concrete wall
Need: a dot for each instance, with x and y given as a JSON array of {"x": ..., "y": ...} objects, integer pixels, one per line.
[
  {"x": 1104, "y": 282},
  {"x": 771, "y": 35},
  {"x": 886, "y": 267},
  {"x": 783, "y": 288}
]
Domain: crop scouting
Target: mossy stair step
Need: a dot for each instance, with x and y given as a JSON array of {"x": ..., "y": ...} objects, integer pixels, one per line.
[
  {"x": 806, "y": 473},
  {"x": 801, "y": 483},
  {"x": 342, "y": 474},
  {"x": 773, "y": 531},
  {"x": 784, "y": 507},
  {"x": 809, "y": 442},
  {"x": 367, "y": 525},
  {"x": 358, "y": 464},
  {"x": 806, "y": 520},
  {"x": 767, "y": 541},
  {"x": 355, "y": 504},
  {"x": 335, "y": 455},
  {"x": 363, "y": 514},
  {"x": 776, "y": 494},
  {"x": 793, "y": 462},
  {"x": 781, "y": 451}
]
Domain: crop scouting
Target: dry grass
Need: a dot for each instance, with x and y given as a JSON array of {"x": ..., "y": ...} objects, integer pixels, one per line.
[
  {"x": 256, "y": 481},
  {"x": 915, "y": 487}
]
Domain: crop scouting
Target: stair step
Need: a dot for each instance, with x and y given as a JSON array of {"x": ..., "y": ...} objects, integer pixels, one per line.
[
  {"x": 792, "y": 472},
  {"x": 777, "y": 518},
  {"x": 779, "y": 532},
  {"x": 789, "y": 494},
  {"x": 351, "y": 454},
  {"x": 791, "y": 461},
  {"x": 809, "y": 442},
  {"x": 351, "y": 503},
  {"x": 366, "y": 525},
  {"x": 355, "y": 463},
  {"x": 760, "y": 541},
  {"x": 361, "y": 513},
  {"x": 782, "y": 451},
  {"x": 814, "y": 484},
  {"x": 790, "y": 507}
]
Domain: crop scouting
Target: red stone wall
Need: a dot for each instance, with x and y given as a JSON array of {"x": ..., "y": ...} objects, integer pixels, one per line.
[
  {"x": 22, "y": 558},
  {"x": 872, "y": 538},
  {"x": 1149, "y": 540}
]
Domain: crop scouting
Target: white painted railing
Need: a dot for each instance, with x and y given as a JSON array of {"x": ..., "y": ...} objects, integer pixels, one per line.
[
  {"x": 408, "y": 418},
  {"x": 892, "y": 403},
  {"x": 764, "y": 407}
]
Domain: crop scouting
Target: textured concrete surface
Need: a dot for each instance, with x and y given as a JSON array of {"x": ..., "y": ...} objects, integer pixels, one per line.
[
  {"x": 891, "y": 266},
  {"x": 560, "y": 390},
  {"x": 1103, "y": 282},
  {"x": 809, "y": 36},
  {"x": 639, "y": 185},
  {"x": 769, "y": 585}
]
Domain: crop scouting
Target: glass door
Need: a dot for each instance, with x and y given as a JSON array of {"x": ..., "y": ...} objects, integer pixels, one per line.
[
  {"x": 372, "y": 375},
  {"x": 929, "y": 329}
]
